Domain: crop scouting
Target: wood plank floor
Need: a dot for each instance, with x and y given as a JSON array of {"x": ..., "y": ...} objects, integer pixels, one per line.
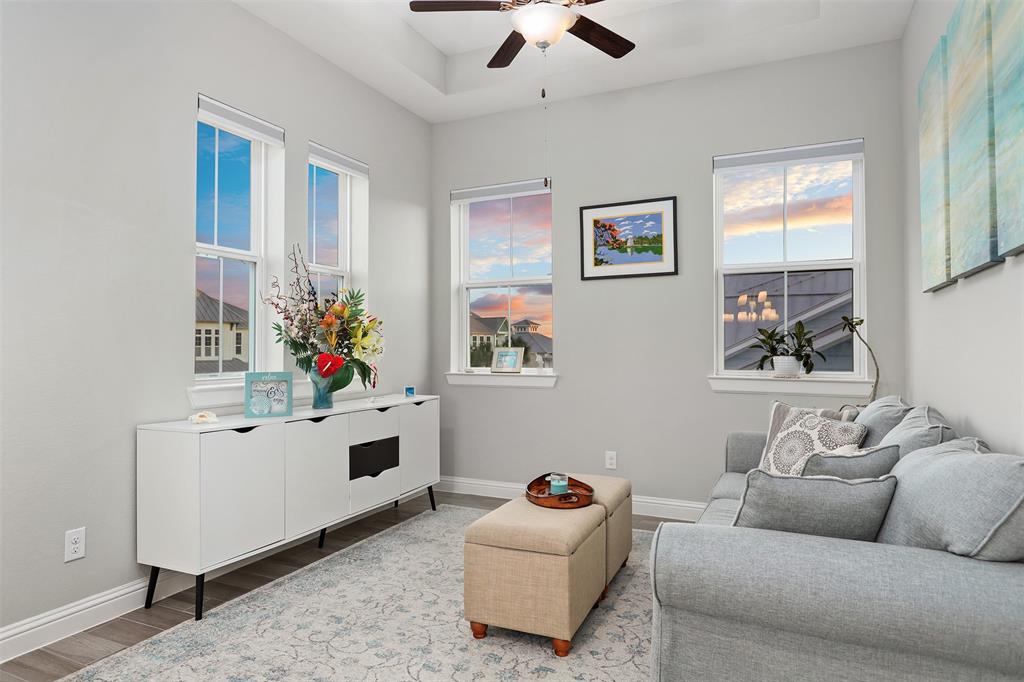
[{"x": 76, "y": 652}]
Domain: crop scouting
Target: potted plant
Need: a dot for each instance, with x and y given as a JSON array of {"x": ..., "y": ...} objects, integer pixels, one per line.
[
  {"x": 332, "y": 338},
  {"x": 787, "y": 351},
  {"x": 851, "y": 324}
]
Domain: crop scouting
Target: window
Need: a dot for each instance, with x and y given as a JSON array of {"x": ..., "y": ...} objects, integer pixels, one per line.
[
  {"x": 238, "y": 343},
  {"x": 231, "y": 158},
  {"x": 503, "y": 289},
  {"x": 789, "y": 248}
]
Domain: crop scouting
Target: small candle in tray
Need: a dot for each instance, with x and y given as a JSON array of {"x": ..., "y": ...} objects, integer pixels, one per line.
[{"x": 559, "y": 483}]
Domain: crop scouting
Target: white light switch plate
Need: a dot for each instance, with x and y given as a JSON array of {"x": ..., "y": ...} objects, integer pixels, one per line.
[{"x": 610, "y": 459}]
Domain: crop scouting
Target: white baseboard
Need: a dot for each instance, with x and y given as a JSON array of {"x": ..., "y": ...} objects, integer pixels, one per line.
[{"x": 679, "y": 510}]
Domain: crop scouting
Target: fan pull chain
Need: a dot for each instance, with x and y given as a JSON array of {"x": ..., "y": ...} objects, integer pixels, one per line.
[{"x": 544, "y": 99}]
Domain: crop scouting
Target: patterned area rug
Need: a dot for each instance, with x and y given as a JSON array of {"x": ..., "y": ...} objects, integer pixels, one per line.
[{"x": 389, "y": 609}]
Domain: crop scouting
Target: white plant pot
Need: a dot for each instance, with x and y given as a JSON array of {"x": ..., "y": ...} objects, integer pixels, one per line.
[{"x": 786, "y": 366}]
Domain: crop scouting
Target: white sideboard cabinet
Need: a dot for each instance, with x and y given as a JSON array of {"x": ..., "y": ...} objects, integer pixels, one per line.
[{"x": 210, "y": 495}]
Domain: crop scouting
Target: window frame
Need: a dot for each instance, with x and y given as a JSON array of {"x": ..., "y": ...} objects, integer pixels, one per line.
[
  {"x": 255, "y": 255},
  {"x": 462, "y": 285},
  {"x": 344, "y": 268},
  {"x": 856, "y": 263}
]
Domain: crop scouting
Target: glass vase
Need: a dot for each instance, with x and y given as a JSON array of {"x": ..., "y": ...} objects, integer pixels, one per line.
[{"x": 323, "y": 397}]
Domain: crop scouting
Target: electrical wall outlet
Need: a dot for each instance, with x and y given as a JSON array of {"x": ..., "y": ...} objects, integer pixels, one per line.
[
  {"x": 610, "y": 460},
  {"x": 74, "y": 544}
]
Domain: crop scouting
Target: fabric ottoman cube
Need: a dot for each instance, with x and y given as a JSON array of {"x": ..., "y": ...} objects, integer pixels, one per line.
[
  {"x": 616, "y": 496},
  {"x": 535, "y": 570}
]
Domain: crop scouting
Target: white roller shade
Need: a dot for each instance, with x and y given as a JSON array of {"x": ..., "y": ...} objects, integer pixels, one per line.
[
  {"x": 507, "y": 189},
  {"x": 844, "y": 148},
  {"x": 237, "y": 121},
  {"x": 330, "y": 158}
]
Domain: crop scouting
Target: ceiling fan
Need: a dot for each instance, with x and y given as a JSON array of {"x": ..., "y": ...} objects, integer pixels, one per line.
[{"x": 538, "y": 22}]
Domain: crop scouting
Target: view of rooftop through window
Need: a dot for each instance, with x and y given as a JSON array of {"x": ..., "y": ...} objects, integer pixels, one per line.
[
  {"x": 509, "y": 247},
  {"x": 224, "y": 285}
]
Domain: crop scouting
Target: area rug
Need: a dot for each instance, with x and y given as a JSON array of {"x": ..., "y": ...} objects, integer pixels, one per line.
[{"x": 388, "y": 609}]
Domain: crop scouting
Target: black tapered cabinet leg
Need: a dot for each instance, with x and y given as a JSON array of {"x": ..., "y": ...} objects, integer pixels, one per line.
[
  {"x": 154, "y": 571},
  {"x": 396, "y": 504},
  {"x": 323, "y": 535},
  {"x": 200, "y": 583},
  {"x": 430, "y": 491}
]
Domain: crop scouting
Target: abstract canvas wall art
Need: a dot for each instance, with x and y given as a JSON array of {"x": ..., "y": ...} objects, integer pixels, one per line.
[
  {"x": 1008, "y": 114},
  {"x": 972, "y": 210},
  {"x": 933, "y": 160}
]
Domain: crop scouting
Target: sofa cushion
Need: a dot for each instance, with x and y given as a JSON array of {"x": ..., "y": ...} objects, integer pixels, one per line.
[
  {"x": 798, "y": 433},
  {"x": 821, "y": 505},
  {"x": 961, "y": 501},
  {"x": 961, "y": 444},
  {"x": 880, "y": 417},
  {"x": 866, "y": 463},
  {"x": 520, "y": 524},
  {"x": 730, "y": 486},
  {"x": 720, "y": 512},
  {"x": 922, "y": 427}
]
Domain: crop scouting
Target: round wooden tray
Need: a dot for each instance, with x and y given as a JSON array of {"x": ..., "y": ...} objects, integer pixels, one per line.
[{"x": 539, "y": 492}]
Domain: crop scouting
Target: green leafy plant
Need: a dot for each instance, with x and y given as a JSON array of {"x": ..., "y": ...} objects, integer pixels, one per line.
[
  {"x": 772, "y": 342},
  {"x": 801, "y": 346},
  {"x": 797, "y": 343},
  {"x": 852, "y": 324}
]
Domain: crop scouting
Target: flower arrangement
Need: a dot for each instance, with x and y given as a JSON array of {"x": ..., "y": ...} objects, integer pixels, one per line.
[{"x": 332, "y": 339}]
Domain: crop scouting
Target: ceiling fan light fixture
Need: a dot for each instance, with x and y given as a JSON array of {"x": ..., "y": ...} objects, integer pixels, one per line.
[{"x": 543, "y": 23}]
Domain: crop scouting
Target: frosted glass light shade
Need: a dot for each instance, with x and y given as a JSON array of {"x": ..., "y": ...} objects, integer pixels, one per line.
[{"x": 543, "y": 23}]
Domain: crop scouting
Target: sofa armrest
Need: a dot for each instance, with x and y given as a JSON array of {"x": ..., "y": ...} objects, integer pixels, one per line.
[
  {"x": 903, "y": 599},
  {"x": 743, "y": 450}
]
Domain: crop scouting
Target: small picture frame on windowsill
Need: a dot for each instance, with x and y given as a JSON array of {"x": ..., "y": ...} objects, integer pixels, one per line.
[{"x": 507, "y": 360}]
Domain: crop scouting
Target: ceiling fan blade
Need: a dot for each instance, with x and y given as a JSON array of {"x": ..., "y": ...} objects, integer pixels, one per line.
[
  {"x": 508, "y": 51},
  {"x": 609, "y": 42},
  {"x": 590, "y": 2},
  {"x": 455, "y": 5}
]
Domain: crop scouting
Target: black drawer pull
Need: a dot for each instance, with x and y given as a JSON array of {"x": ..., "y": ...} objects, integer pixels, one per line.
[
  {"x": 384, "y": 409},
  {"x": 366, "y": 445},
  {"x": 243, "y": 429},
  {"x": 419, "y": 403},
  {"x": 317, "y": 420}
]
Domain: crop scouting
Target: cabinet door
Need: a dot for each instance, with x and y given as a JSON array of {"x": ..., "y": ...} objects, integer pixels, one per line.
[
  {"x": 316, "y": 473},
  {"x": 242, "y": 491},
  {"x": 419, "y": 447}
]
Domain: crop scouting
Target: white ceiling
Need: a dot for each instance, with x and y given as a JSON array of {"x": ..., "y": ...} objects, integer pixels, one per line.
[{"x": 435, "y": 64}]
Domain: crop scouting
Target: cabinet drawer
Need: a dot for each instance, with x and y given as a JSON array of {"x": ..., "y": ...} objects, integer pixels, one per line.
[
  {"x": 242, "y": 496},
  {"x": 370, "y": 491},
  {"x": 369, "y": 459},
  {"x": 371, "y": 425}
]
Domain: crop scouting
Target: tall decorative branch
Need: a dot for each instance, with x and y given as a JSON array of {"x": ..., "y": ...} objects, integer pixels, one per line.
[{"x": 851, "y": 324}]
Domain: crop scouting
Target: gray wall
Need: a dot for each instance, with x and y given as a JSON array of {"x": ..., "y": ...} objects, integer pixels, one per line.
[
  {"x": 964, "y": 342},
  {"x": 99, "y": 107},
  {"x": 640, "y": 350}
]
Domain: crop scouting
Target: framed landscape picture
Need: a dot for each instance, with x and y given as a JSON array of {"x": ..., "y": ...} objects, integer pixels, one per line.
[
  {"x": 628, "y": 239},
  {"x": 268, "y": 394}
]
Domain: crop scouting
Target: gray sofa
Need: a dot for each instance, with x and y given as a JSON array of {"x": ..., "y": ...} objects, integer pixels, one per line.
[{"x": 749, "y": 604}]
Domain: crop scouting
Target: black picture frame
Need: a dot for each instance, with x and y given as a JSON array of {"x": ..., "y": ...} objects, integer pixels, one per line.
[{"x": 586, "y": 231}]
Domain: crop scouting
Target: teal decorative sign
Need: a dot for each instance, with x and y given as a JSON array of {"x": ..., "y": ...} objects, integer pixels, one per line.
[{"x": 268, "y": 394}]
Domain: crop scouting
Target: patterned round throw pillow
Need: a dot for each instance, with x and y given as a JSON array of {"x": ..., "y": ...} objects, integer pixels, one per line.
[{"x": 804, "y": 436}]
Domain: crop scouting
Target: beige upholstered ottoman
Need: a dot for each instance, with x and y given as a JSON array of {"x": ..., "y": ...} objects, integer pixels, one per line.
[
  {"x": 616, "y": 496},
  {"x": 535, "y": 570}
]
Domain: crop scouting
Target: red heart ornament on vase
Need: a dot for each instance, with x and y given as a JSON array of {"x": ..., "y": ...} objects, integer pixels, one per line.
[{"x": 328, "y": 364}]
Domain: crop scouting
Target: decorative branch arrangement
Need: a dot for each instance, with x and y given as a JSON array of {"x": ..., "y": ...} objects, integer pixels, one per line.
[
  {"x": 851, "y": 324},
  {"x": 332, "y": 338}
]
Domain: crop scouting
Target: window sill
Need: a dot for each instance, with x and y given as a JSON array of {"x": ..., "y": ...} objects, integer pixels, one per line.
[
  {"x": 211, "y": 395},
  {"x": 503, "y": 380},
  {"x": 835, "y": 387}
]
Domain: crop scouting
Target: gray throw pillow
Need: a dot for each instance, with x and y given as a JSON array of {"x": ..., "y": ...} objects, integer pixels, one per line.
[
  {"x": 880, "y": 417},
  {"x": 797, "y": 433},
  {"x": 866, "y": 463},
  {"x": 824, "y": 506},
  {"x": 961, "y": 501},
  {"x": 923, "y": 427}
]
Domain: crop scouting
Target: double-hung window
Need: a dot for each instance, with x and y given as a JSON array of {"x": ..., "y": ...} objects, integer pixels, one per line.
[
  {"x": 331, "y": 180},
  {"x": 502, "y": 289},
  {"x": 789, "y": 247},
  {"x": 231, "y": 161}
]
